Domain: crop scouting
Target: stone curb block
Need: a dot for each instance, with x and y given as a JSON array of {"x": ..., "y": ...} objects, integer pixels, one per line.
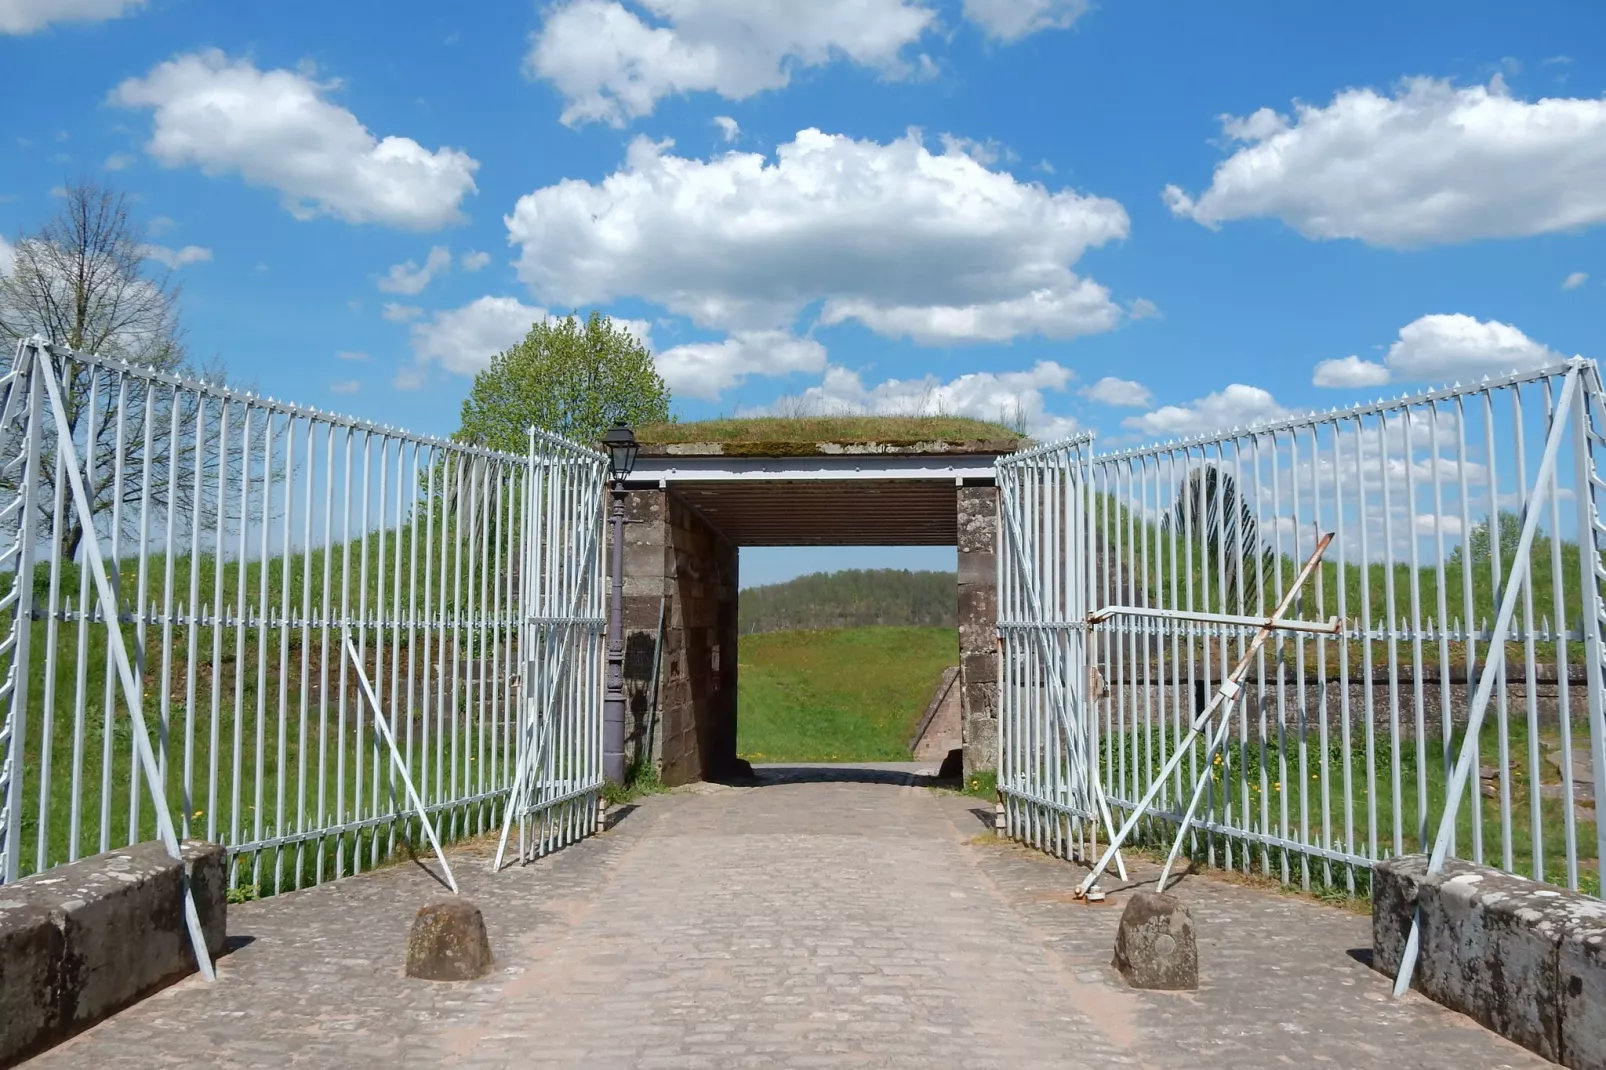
[
  {"x": 1527, "y": 960},
  {"x": 81, "y": 941}
]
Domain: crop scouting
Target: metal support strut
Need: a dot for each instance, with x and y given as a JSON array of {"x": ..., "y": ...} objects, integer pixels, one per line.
[{"x": 383, "y": 727}]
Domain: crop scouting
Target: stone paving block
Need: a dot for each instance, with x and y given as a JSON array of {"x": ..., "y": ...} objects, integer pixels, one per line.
[{"x": 834, "y": 919}]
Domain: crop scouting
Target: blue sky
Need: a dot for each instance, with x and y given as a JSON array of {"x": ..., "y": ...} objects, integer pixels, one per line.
[{"x": 1141, "y": 218}]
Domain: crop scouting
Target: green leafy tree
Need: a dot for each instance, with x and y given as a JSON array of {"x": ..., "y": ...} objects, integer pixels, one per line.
[{"x": 570, "y": 377}]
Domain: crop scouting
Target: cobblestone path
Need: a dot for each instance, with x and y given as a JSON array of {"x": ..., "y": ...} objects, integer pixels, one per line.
[{"x": 849, "y": 918}]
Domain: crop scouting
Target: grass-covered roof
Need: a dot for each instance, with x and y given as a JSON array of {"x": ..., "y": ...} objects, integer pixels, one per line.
[{"x": 843, "y": 430}]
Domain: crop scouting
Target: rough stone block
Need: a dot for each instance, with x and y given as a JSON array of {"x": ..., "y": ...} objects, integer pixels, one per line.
[
  {"x": 1581, "y": 977},
  {"x": 1525, "y": 959},
  {"x": 645, "y": 562},
  {"x": 31, "y": 965},
  {"x": 978, "y": 568},
  {"x": 981, "y": 745},
  {"x": 1394, "y": 890},
  {"x": 977, "y": 519},
  {"x": 1489, "y": 949},
  {"x": 1155, "y": 945},
  {"x": 120, "y": 934},
  {"x": 448, "y": 942},
  {"x": 978, "y": 668}
]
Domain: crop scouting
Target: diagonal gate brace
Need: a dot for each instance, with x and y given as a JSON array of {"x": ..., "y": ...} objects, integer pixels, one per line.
[{"x": 132, "y": 694}]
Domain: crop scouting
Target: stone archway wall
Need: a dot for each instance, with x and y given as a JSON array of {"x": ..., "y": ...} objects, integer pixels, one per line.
[
  {"x": 676, "y": 559},
  {"x": 978, "y": 626}
]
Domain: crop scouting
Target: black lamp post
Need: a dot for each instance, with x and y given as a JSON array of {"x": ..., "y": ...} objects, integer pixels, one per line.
[{"x": 622, "y": 447}]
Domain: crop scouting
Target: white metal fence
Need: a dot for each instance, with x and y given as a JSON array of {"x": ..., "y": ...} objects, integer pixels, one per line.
[
  {"x": 1342, "y": 747},
  {"x": 242, "y": 542}
]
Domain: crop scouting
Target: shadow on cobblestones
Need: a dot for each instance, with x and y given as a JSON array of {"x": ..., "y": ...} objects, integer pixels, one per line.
[{"x": 900, "y": 775}]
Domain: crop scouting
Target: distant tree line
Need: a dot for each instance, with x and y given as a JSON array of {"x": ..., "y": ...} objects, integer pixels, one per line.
[{"x": 853, "y": 598}]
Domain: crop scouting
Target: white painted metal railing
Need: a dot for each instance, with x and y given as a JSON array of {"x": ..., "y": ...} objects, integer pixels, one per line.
[
  {"x": 243, "y": 540},
  {"x": 1340, "y": 752}
]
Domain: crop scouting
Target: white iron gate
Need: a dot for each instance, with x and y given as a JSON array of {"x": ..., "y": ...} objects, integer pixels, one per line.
[
  {"x": 277, "y": 575},
  {"x": 557, "y": 780},
  {"x": 1461, "y": 585},
  {"x": 1048, "y": 773}
]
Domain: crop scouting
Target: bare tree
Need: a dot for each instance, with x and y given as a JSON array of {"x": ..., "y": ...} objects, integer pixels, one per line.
[{"x": 84, "y": 281}]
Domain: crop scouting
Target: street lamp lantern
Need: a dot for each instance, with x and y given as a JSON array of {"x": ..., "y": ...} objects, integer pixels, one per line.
[{"x": 622, "y": 447}]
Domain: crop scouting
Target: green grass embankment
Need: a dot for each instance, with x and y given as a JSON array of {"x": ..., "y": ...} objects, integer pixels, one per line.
[{"x": 837, "y": 695}]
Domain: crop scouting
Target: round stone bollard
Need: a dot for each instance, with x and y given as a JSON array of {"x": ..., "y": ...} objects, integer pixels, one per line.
[
  {"x": 1154, "y": 945},
  {"x": 448, "y": 942}
]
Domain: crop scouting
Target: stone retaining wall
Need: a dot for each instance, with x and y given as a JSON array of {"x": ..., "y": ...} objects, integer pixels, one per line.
[
  {"x": 1327, "y": 698},
  {"x": 1527, "y": 960},
  {"x": 83, "y": 940}
]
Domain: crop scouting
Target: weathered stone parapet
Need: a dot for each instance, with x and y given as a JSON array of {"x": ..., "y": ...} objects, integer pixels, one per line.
[
  {"x": 1527, "y": 960},
  {"x": 83, "y": 940},
  {"x": 978, "y": 625}
]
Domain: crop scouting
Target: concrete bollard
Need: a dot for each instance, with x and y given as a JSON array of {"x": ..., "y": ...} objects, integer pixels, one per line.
[
  {"x": 1154, "y": 944},
  {"x": 448, "y": 942}
]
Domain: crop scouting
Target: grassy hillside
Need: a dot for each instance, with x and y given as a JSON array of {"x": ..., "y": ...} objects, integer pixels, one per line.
[
  {"x": 838, "y": 695},
  {"x": 853, "y": 598}
]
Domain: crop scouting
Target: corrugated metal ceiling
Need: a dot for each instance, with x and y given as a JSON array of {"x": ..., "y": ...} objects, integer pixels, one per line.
[{"x": 822, "y": 512}]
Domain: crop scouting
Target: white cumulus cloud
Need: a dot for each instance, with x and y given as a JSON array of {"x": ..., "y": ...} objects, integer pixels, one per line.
[
  {"x": 1350, "y": 371},
  {"x": 8, "y": 255},
  {"x": 473, "y": 260},
  {"x": 1457, "y": 346},
  {"x": 396, "y": 312},
  {"x": 1006, "y": 397},
  {"x": 1431, "y": 164},
  {"x": 277, "y": 128},
  {"x": 1441, "y": 348},
  {"x": 1575, "y": 280},
  {"x": 1120, "y": 392},
  {"x": 613, "y": 61},
  {"x": 1010, "y": 20},
  {"x": 345, "y": 386},
  {"x": 1238, "y": 405},
  {"x": 936, "y": 247},
  {"x": 409, "y": 278},
  {"x": 463, "y": 340},
  {"x": 707, "y": 369},
  {"x": 27, "y": 16},
  {"x": 727, "y": 127},
  {"x": 177, "y": 258}
]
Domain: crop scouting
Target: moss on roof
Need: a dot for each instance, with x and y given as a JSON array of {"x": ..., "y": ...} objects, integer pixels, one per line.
[{"x": 776, "y": 430}]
